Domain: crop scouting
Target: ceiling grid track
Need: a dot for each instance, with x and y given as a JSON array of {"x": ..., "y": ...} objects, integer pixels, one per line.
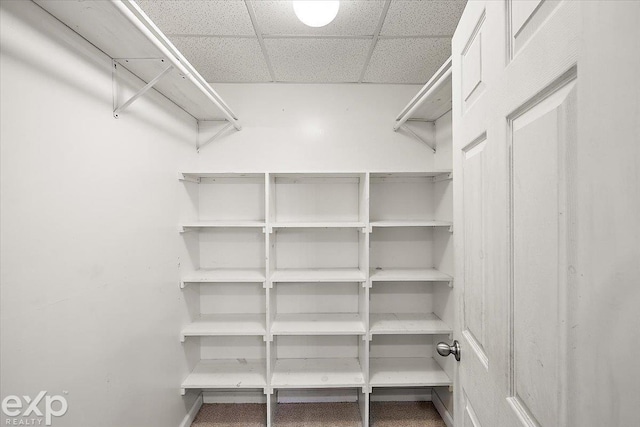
[
  {"x": 416, "y": 36},
  {"x": 317, "y": 36},
  {"x": 374, "y": 41},
  {"x": 256, "y": 28},
  {"x": 308, "y": 36}
]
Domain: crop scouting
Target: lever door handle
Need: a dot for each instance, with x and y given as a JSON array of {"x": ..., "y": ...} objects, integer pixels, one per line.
[{"x": 445, "y": 349}]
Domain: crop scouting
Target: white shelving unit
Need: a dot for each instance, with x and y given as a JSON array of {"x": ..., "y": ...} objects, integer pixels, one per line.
[{"x": 319, "y": 281}]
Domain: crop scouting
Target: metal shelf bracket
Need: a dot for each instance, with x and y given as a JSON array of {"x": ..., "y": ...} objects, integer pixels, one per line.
[
  {"x": 116, "y": 64},
  {"x": 418, "y": 137},
  {"x": 216, "y": 136}
]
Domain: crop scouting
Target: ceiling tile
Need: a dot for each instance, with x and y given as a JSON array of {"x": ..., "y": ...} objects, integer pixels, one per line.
[
  {"x": 354, "y": 18},
  {"x": 412, "y": 60},
  {"x": 225, "y": 59},
  {"x": 222, "y": 17},
  {"x": 317, "y": 60},
  {"x": 423, "y": 17}
]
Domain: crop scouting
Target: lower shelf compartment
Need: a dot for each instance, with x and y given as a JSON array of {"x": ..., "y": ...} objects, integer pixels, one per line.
[
  {"x": 317, "y": 373},
  {"x": 231, "y": 415},
  {"x": 343, "y": 414},
  {"x": 405, "y": 414},
  {"x": 407, "y": 372},
  {"x": 227, "y": 373}
]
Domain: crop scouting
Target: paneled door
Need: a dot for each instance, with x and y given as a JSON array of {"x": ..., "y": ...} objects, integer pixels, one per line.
[{"x": 527, "y": 205}]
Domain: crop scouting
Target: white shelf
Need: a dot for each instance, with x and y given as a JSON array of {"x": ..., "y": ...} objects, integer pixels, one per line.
[
  {"x": 411, "y": 223},
  {"x": 432, "y": 176},
  {"x": 408, "y": 275},
  {"x": 407, "y": 323},
  {"x": 197, "y": 176},
  {"x": 317, "y": 373},
  {"x": 318, "y": 324},
  {"x": 227, "y": 373},
  {"x": 223, "y": 275},
  {"x": 122, "y": 31},
  {"x": 199, "y": 225},
  {"x": 319, "y": 275},
  {"x": 433, "y": 100},
  {"x": 226, "y": 325},
  {"x": 323, "y": 224},
  {"x": 404, "y": 371}
]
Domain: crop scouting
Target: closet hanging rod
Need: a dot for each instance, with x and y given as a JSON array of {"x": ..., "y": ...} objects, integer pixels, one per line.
[
  {"x": 434, "y": 83},
  {"x": 132, "y": 12}
]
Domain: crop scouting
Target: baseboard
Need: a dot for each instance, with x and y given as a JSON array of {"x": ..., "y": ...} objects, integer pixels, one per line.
[
  {"x": 442, "y": 410},
  {"x": 191, "y": 415}
]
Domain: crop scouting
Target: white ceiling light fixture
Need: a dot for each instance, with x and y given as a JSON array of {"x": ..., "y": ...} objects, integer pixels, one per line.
[{"x": 316, "y": 13}]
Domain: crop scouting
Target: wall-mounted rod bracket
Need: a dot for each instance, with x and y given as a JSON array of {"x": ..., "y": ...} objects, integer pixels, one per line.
[
  {"x": 116, "y": 64},
  {"x": 418, "y": 137},
  {"x": 214, "y": 137}
]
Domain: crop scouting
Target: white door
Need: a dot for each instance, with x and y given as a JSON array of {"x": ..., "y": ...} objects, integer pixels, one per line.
[{"x": 546, "y": 240}]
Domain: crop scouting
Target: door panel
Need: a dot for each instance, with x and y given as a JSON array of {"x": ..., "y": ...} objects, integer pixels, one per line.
[
  {"x": 546, "y": 207},
  {"x": 514, "y": 83},
  {"x": 539, "y": 211},
  {"x": 473, "y": 322},
  {"x": 470, "y": 417},
  {"x": 526, "y": 17},
  {"x": 471, "y": 64}
]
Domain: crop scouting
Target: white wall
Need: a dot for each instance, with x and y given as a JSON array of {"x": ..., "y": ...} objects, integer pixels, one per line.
[
  {"x": 90, "y": 302},
  {"x": 603, "y": 353},
  {"x": 296, "y": 127}
]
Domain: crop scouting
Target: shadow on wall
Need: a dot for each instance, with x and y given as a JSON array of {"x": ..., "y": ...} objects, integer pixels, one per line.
[{"x": 67, "y": 69}]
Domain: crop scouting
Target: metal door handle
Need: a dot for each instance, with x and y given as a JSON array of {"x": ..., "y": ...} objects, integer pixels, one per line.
[{"x": 445, "y": 349}]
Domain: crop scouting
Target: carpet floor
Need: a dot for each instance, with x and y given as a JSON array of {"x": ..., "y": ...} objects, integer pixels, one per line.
[
  {"x": 383, "y": 414},
  {"x": 318, "y": 415},
  {"x": 405, "y": 414},
  {"x": 231, "y": 415}
]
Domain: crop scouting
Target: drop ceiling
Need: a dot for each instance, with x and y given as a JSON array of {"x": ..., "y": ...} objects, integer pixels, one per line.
[{"x": 370, "y": 41}]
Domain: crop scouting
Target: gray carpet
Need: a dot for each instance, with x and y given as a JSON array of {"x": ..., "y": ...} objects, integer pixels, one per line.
[
  {"x": 231, "y": 415},
  {"x": 318, "y": 415},
  {"x": 383, "y": 414},
  {"x": 405, "y": 414}
]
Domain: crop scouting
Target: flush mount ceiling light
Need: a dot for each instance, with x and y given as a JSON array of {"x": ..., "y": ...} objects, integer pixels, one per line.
[{"x": 316, "y": 13}]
